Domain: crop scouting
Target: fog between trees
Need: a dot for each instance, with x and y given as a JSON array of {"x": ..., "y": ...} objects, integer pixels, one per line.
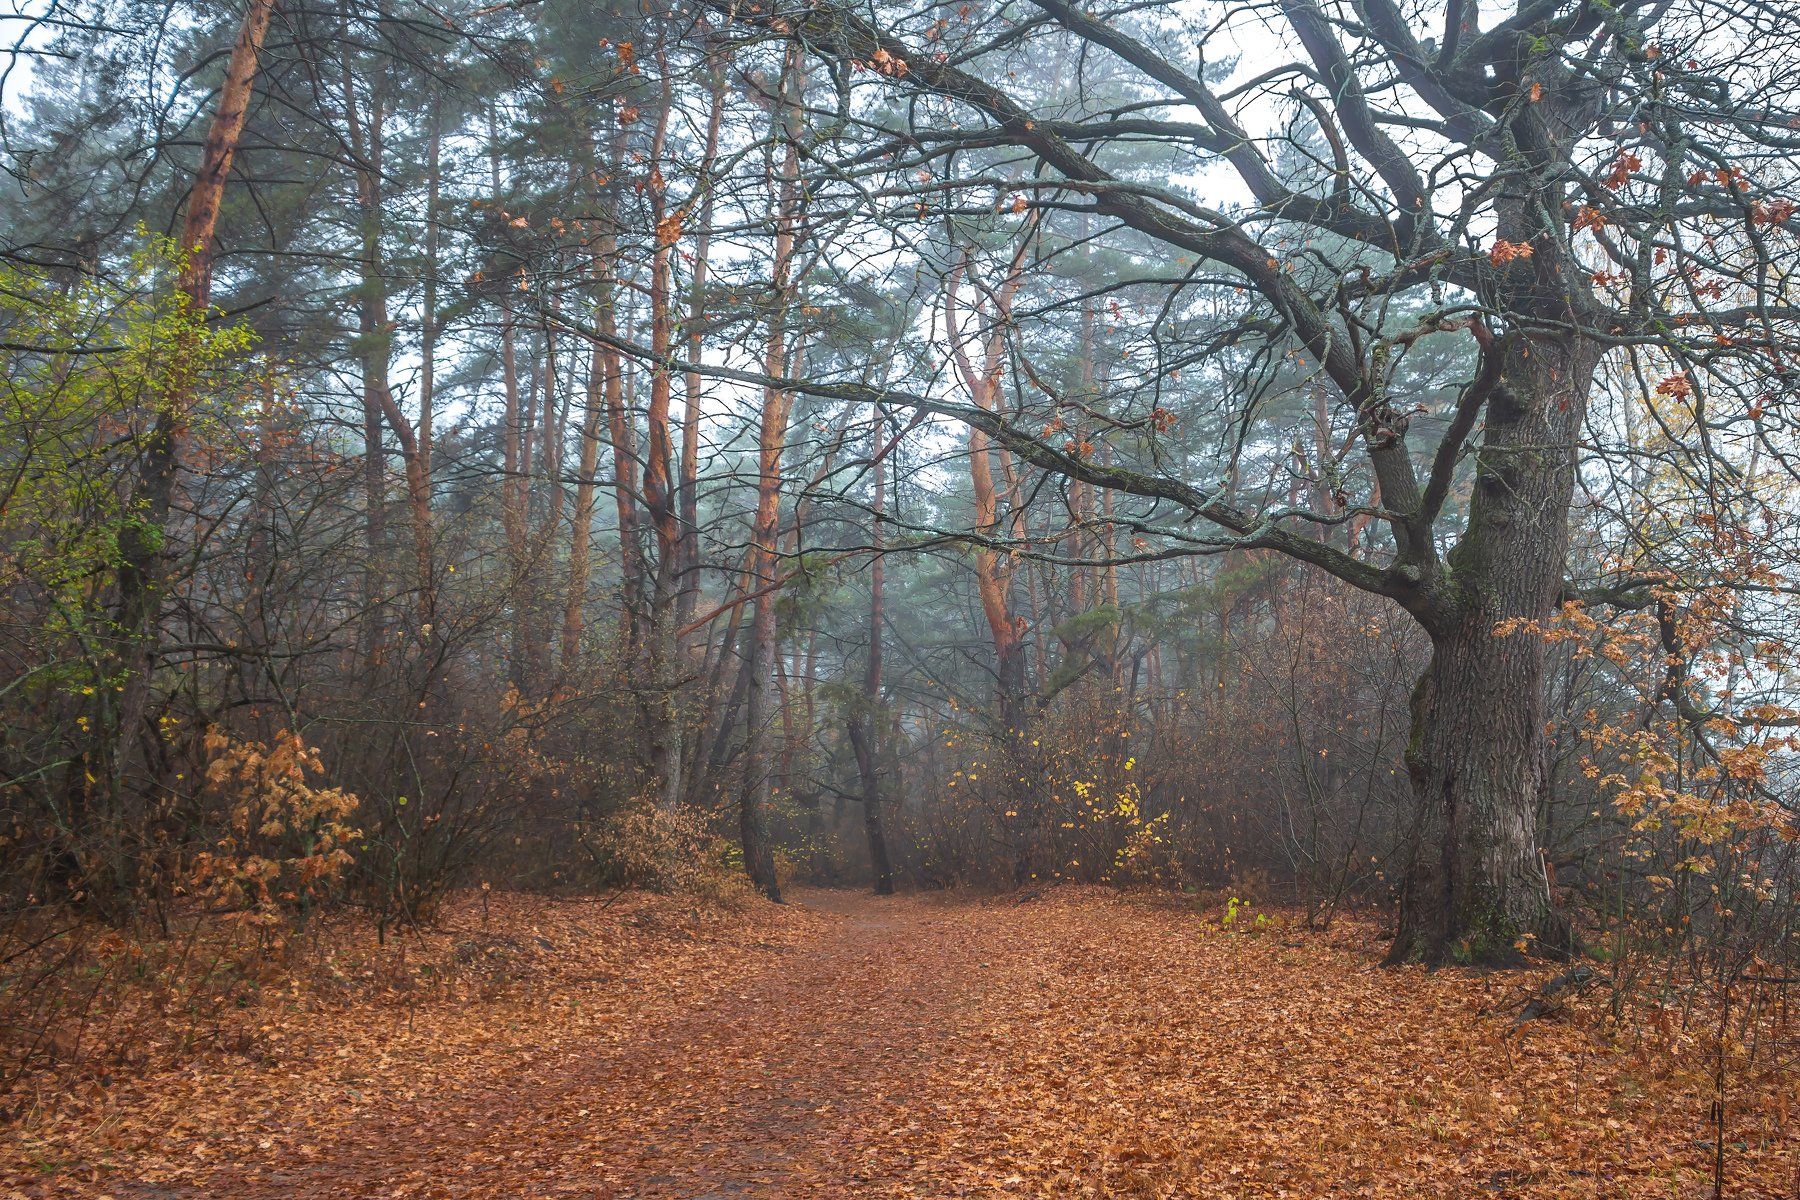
[{"x": 1343, "y": 452}]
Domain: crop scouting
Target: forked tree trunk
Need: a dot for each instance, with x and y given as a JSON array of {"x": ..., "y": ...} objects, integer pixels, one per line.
[
  {"x": 994, "y": 571},
  {"x": 1476, "y": 890}
]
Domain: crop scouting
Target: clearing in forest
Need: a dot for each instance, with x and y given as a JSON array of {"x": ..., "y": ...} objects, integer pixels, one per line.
[{"x": 1077, "y": 1043}]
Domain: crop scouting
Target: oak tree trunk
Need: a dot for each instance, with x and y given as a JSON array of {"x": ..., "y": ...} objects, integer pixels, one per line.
[{"x": 1476, "y": 889}]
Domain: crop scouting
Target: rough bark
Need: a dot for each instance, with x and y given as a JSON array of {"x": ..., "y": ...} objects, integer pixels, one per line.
[
  {"x": 1476, "y": 889},
  {"x": 202, "y": 216}
]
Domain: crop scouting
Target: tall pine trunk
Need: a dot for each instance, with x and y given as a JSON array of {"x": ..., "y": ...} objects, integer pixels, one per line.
[
  {"x": 143, "y": 554},
  {"x": 1019, "y": 773},
  {"x": 777, "y": 406}
]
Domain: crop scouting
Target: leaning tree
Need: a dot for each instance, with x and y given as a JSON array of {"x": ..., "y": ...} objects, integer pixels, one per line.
[{"x": 1586, "y": 199}]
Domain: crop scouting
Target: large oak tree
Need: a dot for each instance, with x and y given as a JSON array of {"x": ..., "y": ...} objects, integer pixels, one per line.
[{"x": 1580, "y": 191}]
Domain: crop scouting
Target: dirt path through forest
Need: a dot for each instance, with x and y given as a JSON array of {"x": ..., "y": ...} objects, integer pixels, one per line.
[
  {"x": 1073, "y": 1044},
  {"x": 757, "y": 1078}
]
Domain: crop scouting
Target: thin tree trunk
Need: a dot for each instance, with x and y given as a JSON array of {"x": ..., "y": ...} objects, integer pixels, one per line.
[
  {"x": 623, "y": 435},
  {"x": 260, "y": 556},
  {"x": 601, "y": 402},
  {"x": 428, "y": 323},
  {"x": 515, "y": 494},
  {"x": 685, "y": 658},
  {"x": 688, "y": 595},
  {"x": 659, "y": 706},
  {"x": 372, "y": 340},
  {"x": 867, "y": 715},
  {"x": 581, "y": 539},
  {"x": 375, "y": 330},
  {"x": 703, "y": 766}
]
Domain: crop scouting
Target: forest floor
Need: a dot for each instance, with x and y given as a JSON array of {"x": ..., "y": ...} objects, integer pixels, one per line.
[{"x": 1074, "y": 1043}]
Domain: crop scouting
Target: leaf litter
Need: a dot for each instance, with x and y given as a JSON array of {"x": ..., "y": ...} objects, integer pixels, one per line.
[{"x": 1088, "y": 1043}]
